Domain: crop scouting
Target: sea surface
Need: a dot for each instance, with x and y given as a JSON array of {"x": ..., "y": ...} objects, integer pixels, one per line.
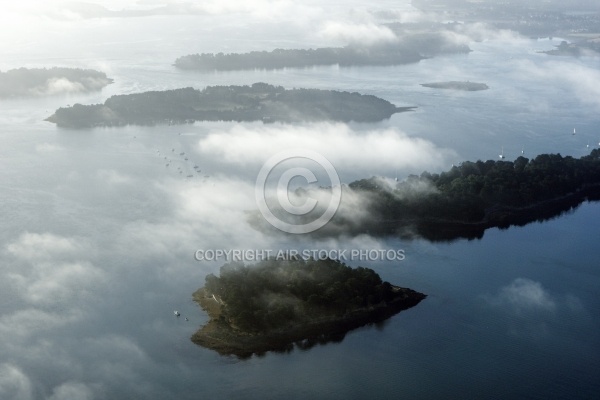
[{"x": 98, "y": 235}]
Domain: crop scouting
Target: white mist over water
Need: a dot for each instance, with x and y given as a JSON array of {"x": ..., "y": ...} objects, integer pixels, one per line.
[{"x": 98, "y": 235}]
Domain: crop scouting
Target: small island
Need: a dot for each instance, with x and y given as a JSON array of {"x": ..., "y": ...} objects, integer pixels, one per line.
[
  {"x": 259, "y": 102},
  {"x": 276, "y": 304},
  {"x": 27, "y": 82},
  {"x": 457, "y": 85}
]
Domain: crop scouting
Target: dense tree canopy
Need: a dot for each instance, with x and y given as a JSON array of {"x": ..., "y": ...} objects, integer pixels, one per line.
[
  {"x": 275, "y": 294},
  {"x": 484, "y": 194},
  {"x": 258, "y": 102}
]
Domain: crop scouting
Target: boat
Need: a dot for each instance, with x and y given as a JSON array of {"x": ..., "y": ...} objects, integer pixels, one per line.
[
  {"x": 501, "y": 155},
  {"x": 177, "y": 314}
]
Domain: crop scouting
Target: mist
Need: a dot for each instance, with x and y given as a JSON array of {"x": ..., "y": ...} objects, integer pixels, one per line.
[{"x": 100, "y": 225}]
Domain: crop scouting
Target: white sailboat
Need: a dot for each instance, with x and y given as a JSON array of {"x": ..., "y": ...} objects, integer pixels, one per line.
[
  {"x": 501, "y": 155},
  {"x": 574, "y": 132}
]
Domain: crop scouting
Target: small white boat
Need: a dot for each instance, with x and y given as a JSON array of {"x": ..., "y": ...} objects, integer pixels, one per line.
[{"x": 177, "y": 314}]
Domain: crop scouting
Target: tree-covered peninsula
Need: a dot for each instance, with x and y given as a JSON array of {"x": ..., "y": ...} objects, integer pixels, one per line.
[
  {"x": 474, "y": 196},
  {"x": 24, "y": 82},
  {"x": 275, "y": 304},
  {"x": 259, "y": 102},
  {"x": 406, "y": 48},
  {"x": 300, "y": 58}
]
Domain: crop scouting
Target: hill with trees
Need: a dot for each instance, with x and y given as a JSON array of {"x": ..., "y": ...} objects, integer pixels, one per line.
[
  {"x": 409, "y": 48},
  {"x": 474, "y": 196},
  {"x": 259, "y": 102},
  {"x": 276, "y": 303}
]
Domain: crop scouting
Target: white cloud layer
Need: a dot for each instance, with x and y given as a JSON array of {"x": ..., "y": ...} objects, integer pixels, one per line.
[
  {"x": 373, "y": 150},
  {"x": 361, "y": 33},
  {"x": 524, "y": 295},
  {"x": 14, "y": 384}
]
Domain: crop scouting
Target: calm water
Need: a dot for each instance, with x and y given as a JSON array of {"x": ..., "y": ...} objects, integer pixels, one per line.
[{"x": 98, "y": 235}]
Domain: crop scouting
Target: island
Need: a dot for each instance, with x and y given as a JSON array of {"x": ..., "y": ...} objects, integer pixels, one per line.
[
  {"x": 462, "y": 202},
  {"x": 259, "y": 102},
  {"x": 277, "y": 305},
  {"x": 457, "y": 85},
  {"x": 405, "y": 50},
  {"x": 26, "y": 82}
]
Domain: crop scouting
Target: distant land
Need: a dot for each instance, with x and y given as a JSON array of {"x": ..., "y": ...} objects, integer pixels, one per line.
[
  {"x": 581, "y": 48},
  {"x": 533, "y": 18},
  {"x": 474, "y": 196},
  {"x": 409, "y": 49},
  {"x": 299, "y": 58},
  {"x": 457, "y": 85},
  {"x": 24, "y": 82},
  {"x": 276, "y": 304},
  {"x": 259, "y": 102},
  {"x": 467, "y": 199}
]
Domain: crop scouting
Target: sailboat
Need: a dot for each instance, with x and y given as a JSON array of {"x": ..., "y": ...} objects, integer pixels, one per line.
[
  {"x": 574, "y": 132},
  {"x": 501, "y": 155}
]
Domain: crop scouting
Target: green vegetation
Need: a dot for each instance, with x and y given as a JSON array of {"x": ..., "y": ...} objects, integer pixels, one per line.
[
  {"x": 259, "y": 102},
  {"x": 41, "y": 81},
  {"x": 408, "y": 48},
  {"x": 300, "y": 58},
  {"x": 275, "y": 303},
  {"x": 474, "y": 196}
]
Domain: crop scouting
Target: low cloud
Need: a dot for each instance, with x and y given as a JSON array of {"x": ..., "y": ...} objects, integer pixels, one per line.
[
  {"x": 56, "y": 86},
  {"x": 373, "y": 151},
  {"x": 72, "y": 391},
  {"x": 43, "y": 246},
  {"x": 14, "y": 384},
  {"x": 525, "y": 308},
  {"x": 362, "y": 33},
  {"x": 48, "y": 269},
  {"x": 581, "y": 81},
  {"x": 524, "y": 296}
]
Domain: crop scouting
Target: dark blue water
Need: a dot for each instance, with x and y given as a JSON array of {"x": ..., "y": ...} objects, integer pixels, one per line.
[{"x": 98, "y": 236}]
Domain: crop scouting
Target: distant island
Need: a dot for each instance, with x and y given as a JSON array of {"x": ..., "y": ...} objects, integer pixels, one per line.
[
  {"x": 24, "y": 82},
  {"x": 278, "y": 303},
  {"x": 457, "y": 85},
  {"x": 259, "y": 102},
  {"x": 464, "y": 201},
  {"x": 409, "y": 50}
]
